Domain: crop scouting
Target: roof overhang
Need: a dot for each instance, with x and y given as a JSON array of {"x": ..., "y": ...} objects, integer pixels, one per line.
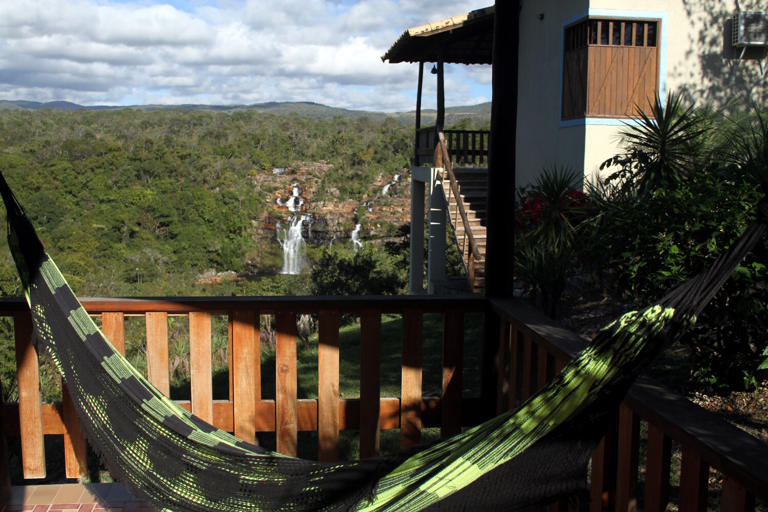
[{"x": 463, "y": 39}]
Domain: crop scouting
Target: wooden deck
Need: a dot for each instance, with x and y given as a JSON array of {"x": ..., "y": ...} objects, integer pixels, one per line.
[
  {"x": 74, "y": 497},
  {"x": 523, "y": 350}
]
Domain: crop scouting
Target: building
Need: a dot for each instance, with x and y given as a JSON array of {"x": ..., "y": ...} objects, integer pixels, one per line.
[{"x": 584, "y": 69}]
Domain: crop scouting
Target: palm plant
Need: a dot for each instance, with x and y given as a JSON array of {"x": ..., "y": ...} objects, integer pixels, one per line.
[
  {"x": 550, "y": 213},
  {"x": 663, "y": 147}
]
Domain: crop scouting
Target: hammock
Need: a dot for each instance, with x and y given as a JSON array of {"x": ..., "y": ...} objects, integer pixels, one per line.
[{"x": 518, "y": 460}]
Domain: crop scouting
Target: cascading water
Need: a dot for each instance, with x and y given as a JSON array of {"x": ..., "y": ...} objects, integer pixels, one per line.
[
  {"x": 292, "y": 240},
  {"x": 294, "y": 247},
  {"x": 356, "y": 243},
  {"x": 385, "y": 189}
]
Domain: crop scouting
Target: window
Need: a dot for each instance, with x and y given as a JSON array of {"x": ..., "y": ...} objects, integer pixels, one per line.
[{"x": 610, "y": 67}]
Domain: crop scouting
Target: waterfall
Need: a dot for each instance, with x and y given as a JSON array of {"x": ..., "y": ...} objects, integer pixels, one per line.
[
  {"x": 295, "y": 202},
  {"x": 356, "y": 243},
  {"x": 385, "y": 189},
  {"x": 294, "y": 247}
]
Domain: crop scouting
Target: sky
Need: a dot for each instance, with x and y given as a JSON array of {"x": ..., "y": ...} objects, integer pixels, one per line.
[{"x": 223, "y": 52}]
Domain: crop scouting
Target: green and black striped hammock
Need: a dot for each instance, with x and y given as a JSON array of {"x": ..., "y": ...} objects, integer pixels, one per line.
[{"x": 518, "y": 460}]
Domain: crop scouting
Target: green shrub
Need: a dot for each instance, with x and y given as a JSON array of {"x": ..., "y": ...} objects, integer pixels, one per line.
[{"x": 666, "y": 217}]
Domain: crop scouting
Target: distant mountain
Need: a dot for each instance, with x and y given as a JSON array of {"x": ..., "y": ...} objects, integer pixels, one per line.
[{"x": 480, "y": 112}]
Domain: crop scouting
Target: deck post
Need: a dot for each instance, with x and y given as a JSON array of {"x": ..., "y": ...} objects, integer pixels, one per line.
[
  {"x": 436, "y": 245},
  {"x": 500, "y": 247},
  {"x": 416, "y": 256}
]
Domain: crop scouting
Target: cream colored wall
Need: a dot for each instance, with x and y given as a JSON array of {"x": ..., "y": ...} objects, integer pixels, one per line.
[
  {"x": 699, "y": 62},
  {"x": 540, "y": 141}
]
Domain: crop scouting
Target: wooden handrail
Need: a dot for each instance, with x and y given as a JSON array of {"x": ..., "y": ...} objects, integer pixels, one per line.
[
  {"x": 448, "y": 166},
  {"x": 246, "y": 412},
  {"x": 533, "y": 349},
  {"x": 741, "y": 458}
]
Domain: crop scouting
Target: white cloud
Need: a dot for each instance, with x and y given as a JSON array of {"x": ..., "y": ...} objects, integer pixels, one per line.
[{"x": 225, "y": 51}]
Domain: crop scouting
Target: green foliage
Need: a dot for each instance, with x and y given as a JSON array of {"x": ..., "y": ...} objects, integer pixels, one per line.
[
  {"x": 369, "y": 271},
  {"x": 549, "y": 218},
  {"x": 664, "y": 218}
]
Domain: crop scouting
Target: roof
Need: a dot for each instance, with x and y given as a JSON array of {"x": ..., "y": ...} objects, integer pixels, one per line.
[{"x": 463, "y": 39}]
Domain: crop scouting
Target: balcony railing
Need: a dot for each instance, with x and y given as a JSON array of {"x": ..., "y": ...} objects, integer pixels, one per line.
[
  {"x": 467, "y": 147},
  {"x": 530, "y": 350}
]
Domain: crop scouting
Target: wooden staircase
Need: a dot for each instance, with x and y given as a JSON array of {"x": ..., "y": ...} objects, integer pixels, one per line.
[{"x": 472, "y": 183}]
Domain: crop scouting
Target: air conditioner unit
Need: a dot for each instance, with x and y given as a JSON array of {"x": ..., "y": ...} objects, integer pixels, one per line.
[{"x": 750, "y": 28}]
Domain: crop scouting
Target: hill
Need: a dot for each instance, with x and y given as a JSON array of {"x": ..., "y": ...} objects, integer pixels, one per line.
[{"x": 479, "y": 114}]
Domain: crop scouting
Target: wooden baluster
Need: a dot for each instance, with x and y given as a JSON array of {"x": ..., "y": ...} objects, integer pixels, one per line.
[
  {"x": 657, "y": 470},
  {"x": 603, "y": 477},
  {"x": 736, "y": 498},
  {"x": 694, "y": 476},
  {"x": 5, "y": 473},
  {"x": 542, "y": 367},
  {"x": 75, "y": 452},
  {"x": 157, "y": 351},
  {"x": 628, "y": 454},
  {"x": 328, "y": 387},
  {"x": 30, "y": 408},
  {"x": 201, "y": 368},
  {"x": 411, "y": 375},
  {"x": 529, "y": 365},
  {"x": 515, "y": 359},
  {"x": 370, "y": 382},
  {"x": 246, "y": 373},
  {"x": 113, "y": 328},
  {"x": 286, "y": 384},
  {"x": 503, "y": 362},
  {"x": 453, "y": 366}
]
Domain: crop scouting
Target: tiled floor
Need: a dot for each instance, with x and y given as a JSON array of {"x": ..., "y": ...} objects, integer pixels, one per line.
[{"x": 73, "y": 497}]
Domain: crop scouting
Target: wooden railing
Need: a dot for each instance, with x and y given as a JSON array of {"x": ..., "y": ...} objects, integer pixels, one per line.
[
  {"x": 467, "y": 245},
  {"x": 245, "y": 411},
  {"x": 532, "y": 349},
  {"x": 467, "y": 147}
]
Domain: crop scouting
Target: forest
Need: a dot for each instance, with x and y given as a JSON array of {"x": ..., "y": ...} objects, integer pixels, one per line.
[{"x": 132, "y": 202}]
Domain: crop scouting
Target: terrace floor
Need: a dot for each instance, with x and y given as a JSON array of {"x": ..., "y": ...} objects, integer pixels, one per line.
[{"x": 111, "y": 497}]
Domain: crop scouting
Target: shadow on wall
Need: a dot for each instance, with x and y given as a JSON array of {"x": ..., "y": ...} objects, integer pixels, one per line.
[{"x": 727, "y": 73}]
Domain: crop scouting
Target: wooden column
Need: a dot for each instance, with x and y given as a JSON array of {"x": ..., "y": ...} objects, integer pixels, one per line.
[
  {"x": 440, "y": 121},
  {"x": 419, "y": 89},
  {"x": 501, "y": 160}
]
